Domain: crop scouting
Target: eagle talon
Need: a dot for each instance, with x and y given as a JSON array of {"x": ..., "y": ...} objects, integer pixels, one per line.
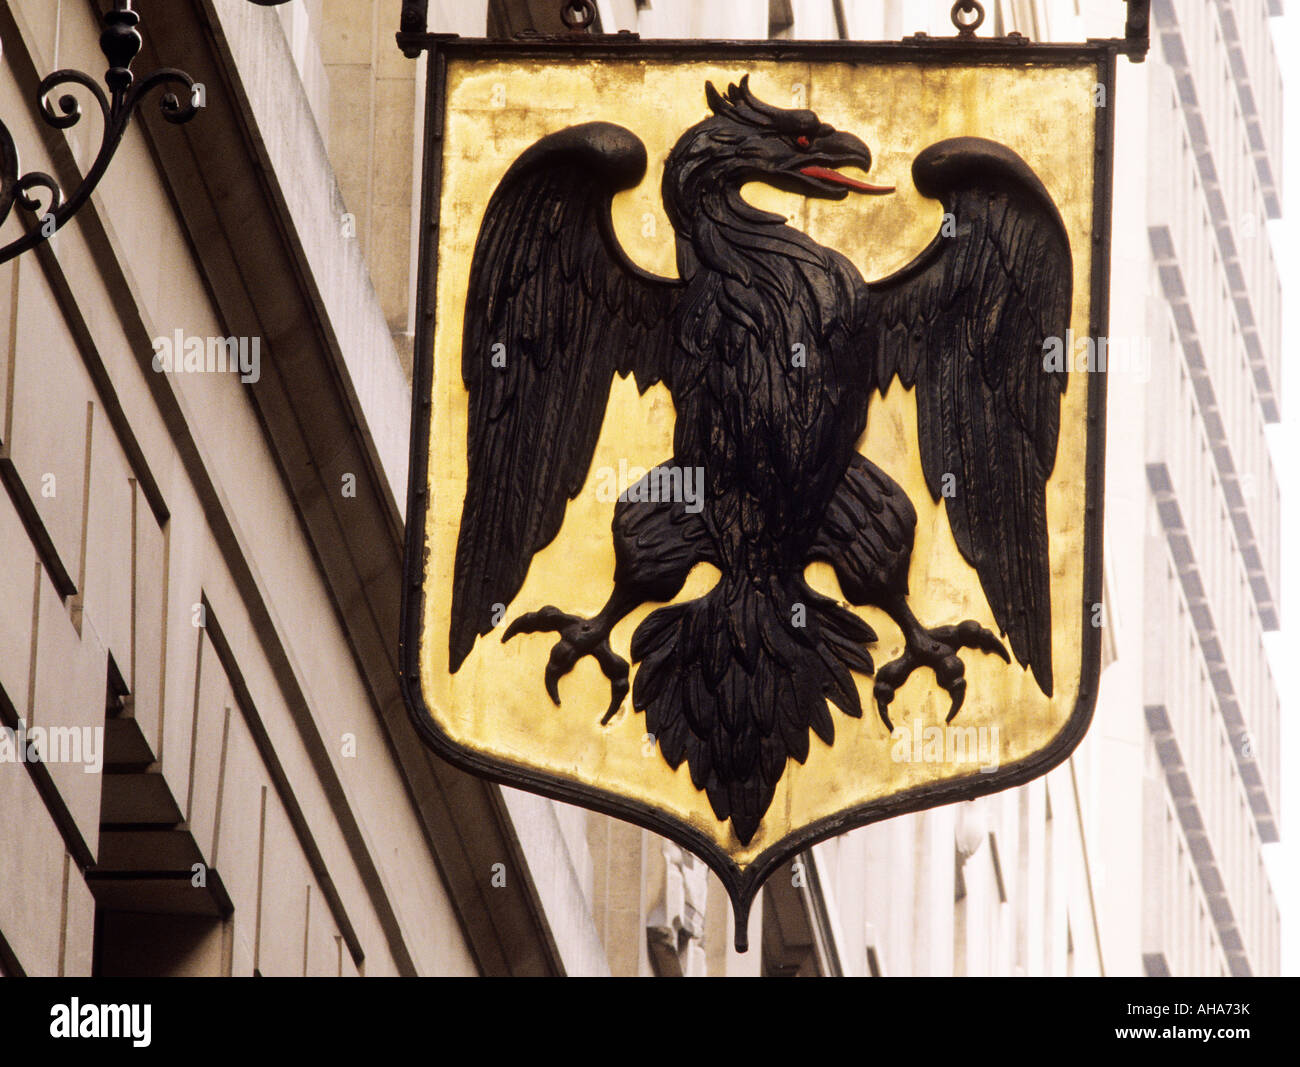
[
  {"x": 578, "y": 637},
  {"x": 936, "y": 649},
  {"x": 884, "y": 694}
]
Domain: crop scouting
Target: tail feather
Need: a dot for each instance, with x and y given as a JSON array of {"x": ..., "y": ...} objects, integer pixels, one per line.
[{"x": 734, "y": 682}]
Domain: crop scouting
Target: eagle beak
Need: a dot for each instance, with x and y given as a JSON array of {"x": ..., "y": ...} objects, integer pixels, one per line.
[{"x": 844, "y": 150}]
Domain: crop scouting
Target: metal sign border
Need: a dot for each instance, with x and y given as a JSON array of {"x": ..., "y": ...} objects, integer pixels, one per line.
[{"x": 743, "y": 885}]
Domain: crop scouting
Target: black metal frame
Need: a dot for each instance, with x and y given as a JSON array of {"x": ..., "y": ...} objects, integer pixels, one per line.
[{"x": 743, "y": 885}]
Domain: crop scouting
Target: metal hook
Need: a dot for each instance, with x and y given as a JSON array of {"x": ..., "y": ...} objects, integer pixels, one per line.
[
  {"x": 578, "y": 15},
  {"x": 967, "y": 7}
]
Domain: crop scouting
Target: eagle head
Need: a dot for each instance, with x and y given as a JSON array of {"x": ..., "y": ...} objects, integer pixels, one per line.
[{"x": 747, "y": 140}]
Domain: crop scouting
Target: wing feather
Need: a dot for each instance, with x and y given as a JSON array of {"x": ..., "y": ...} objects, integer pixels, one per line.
[
  {"x": 554, "y": 310},
  {"x": 967, "y": 323}
]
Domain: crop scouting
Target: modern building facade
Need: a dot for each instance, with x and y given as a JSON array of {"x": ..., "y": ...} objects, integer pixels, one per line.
[
  {"x": 1212, "y": 554},
  {"x": 202, "y": 567}
]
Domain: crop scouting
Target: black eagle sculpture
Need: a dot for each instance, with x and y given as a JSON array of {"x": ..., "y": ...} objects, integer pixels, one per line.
[{"x": 772, "y": 347}]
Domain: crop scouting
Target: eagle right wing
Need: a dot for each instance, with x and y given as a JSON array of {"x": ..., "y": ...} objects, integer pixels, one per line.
[
  {"x": 555, "y": 309},
  {"x": 967, "y": 323}
]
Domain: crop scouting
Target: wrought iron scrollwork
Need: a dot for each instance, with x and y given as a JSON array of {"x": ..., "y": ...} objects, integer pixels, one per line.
[{"x": 120, "y": 42}]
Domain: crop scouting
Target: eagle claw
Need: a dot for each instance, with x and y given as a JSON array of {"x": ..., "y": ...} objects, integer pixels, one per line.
[
  {"x": 578, "y": 637},
  {"x": 936, "y": 649}
]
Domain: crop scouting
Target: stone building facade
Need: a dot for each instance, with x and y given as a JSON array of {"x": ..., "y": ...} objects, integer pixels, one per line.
[{"x": 201, "y": 566}]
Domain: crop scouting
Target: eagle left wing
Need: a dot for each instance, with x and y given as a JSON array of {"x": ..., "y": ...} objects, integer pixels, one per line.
[
  {"x": 967, "y": 323},
  {"x": 555, "y": 309}
]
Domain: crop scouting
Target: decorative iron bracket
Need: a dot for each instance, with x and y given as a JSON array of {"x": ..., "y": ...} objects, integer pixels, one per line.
[
  {"x": 414, "y": 37},
  {"x": 121, "y": 42},
  {"x": 1137, "y": 29},
  {"x": 968, "y": 15},
  {"x": 414, "y": 27},
  {"x": 578, "y": 16}
]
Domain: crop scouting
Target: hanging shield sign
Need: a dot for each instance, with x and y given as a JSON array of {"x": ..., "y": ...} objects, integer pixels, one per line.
[{"x": 757, "y": 443}]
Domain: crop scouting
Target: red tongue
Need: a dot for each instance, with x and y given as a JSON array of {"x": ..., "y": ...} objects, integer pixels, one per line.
[{"x": 842, "y": 179}]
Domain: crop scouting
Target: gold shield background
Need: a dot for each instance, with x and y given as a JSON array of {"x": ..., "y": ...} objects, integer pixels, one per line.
[{"x": 496, "y": 706}]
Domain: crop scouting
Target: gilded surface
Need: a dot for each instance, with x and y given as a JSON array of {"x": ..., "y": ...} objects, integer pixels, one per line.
[{"x": 496, "y": 705}]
